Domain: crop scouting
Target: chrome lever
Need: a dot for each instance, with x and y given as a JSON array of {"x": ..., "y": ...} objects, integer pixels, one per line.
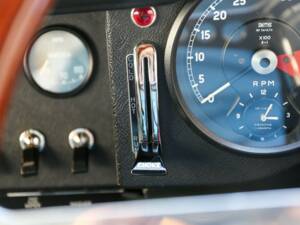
[
  {"x": 154, "y": 103},
  {"x": 140, "y": 54},
  {"x": 145, "y": 114}
]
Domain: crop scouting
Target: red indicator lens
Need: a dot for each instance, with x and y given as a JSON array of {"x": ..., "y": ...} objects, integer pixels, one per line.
[{"x": 143, "y": 17}]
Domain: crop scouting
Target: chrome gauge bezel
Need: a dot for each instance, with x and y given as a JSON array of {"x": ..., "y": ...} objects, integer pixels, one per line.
[
  {"x": 91, "y": 55},
  {"x": 192, "y": 121}
]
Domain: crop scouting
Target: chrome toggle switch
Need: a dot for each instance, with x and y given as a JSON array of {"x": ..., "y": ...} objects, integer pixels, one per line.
[
  {"x": 32, "y": 142},
  {"x": 144, "y": 108},
  {"x": 81, "y": 142}
]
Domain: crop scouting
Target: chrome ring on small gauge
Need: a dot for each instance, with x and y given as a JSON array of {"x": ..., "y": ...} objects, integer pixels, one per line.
[{"x": 59, "y": 61}]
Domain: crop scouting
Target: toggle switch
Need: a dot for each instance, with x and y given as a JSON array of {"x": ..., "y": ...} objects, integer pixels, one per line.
[
  {"x": 81, "y": 142},
  {"x": 32, "y": 142}
]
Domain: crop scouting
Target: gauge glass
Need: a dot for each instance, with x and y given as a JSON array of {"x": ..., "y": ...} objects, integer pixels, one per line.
[
  {"x": 235, "y": 71},
  {"x": 59, "y": 62}
]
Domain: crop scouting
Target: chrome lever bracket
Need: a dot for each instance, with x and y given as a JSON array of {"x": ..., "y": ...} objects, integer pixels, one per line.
[{"x": 144, "y": 107}]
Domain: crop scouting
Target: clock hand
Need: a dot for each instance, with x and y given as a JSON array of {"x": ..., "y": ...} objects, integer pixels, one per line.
[
  {"x": 272, "y": 118},
  {"x": 268, "y": 110}
]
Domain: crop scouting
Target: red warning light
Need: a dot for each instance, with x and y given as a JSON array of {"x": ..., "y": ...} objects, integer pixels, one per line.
[{"x": 143, "y": 17}]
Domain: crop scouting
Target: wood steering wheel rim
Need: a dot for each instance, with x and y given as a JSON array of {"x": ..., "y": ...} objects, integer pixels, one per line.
[{"x": 19, "y": 21}]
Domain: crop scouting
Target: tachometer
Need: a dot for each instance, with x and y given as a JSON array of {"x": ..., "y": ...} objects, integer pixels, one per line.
[{"x": 234, "y": 68}]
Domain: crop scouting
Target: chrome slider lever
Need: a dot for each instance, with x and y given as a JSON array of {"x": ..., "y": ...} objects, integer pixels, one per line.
[
  {"x": 153, "y": 88},
  {"x": 140, "y": 54},
  {"x": 143, "y": 88}
]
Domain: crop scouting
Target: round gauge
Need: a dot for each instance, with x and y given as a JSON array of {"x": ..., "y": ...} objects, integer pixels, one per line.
[
  {"x": 59, "y": 62},
  {"x": 233, "y": 67}
]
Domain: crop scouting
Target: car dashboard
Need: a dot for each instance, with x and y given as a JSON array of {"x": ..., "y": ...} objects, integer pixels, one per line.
[{"x": 130, "y": 100}]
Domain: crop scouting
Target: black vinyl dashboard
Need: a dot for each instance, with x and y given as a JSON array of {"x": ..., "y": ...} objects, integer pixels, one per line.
[
  {"x": 175, "y": 97},
  {"x": 63, "y": 6}
]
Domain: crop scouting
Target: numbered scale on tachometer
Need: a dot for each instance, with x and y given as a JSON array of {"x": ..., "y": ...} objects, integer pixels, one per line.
[{"x": 236, "y": 72}]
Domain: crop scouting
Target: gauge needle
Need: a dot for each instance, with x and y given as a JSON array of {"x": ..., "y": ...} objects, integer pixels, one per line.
[
  {"x": 290, "y": 64},
  {"x": 44, "y": 67},
  {"x": 225, "y": 86},
  {"x": 218, "y": 91}
]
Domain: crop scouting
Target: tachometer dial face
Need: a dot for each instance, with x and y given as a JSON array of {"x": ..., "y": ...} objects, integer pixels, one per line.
[{"x": 234, "y": 68}]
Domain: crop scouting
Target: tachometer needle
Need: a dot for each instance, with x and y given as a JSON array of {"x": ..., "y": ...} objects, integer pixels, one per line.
[
  {"x": 225, "y": 86},
  {"x": 218, "y": 91}
]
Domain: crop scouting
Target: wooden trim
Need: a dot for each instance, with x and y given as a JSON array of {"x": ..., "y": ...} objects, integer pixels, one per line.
[{"x": 20, "y": 21}]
